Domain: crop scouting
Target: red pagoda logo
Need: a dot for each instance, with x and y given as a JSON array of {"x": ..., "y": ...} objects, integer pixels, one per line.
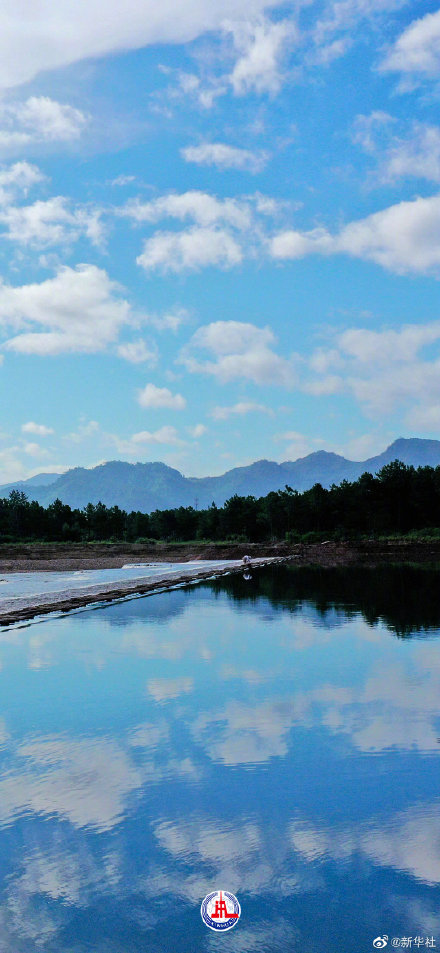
[{"x": 220, "y": 910}]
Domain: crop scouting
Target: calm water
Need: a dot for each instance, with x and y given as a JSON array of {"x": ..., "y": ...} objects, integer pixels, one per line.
[{"x": 278, "y": 738}]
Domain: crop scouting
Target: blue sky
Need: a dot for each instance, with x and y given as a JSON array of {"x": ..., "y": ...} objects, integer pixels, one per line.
[{"x": 219, "y": 231}]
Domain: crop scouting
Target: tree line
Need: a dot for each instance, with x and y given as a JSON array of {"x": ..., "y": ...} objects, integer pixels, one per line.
[{"x": 398, "y": 499}]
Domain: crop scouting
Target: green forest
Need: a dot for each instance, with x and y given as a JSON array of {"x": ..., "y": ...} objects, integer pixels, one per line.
[{"x": 400, "y": 499}]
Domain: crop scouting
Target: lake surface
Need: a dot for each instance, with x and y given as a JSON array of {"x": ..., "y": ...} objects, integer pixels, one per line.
[{"x": 277, "y": 738}]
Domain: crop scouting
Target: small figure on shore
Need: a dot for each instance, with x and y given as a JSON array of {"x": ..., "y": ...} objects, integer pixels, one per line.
[{"x": 247, "y": 560}]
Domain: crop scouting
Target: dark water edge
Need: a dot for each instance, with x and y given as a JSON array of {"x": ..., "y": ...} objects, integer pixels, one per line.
[{"x": 405, "y": 597}]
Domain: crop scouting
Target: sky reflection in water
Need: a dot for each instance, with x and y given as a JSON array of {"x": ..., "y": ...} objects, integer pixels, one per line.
[{"x": 262, "y": 737}]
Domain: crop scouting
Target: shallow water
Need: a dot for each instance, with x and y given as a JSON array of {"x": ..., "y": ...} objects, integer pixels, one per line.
[
  {"x": 278, "y": 738},
  {"x": 28, "y": 590},
  {"x": 17, "y": 584}
]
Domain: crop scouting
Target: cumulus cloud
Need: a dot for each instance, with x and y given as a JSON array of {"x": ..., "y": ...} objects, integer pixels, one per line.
[
  {"x": 80, "y": 309},
  {"x": 240, "y": 409},
  {"x": 200, "y": 207},
  {"x": 17, "y": 179},
  {"x": 225, "y": 157},
  {"x": 39, "y": 430},
  {"x": 237, "y": 350},
  {"x": 160, "y": 397},
  {"x": 261, "y": 46},
  {"x": 139, "y": 352},
  {"x": 51, "y": 222},
  {"x": 190, "y": 250},
  {"x": 388, "y": 369},
  {"x": 402, "y": 238},
  {"x": 65, "y": 38},
  {"x": 38, "y": 119},
  {"x": 418, "y": 155},
  {"x": 169, "y": 321},
  {"x": 222, "y": 230},
  {"x": 416, "y": 52},
  {"x": 167, "y": 435}
]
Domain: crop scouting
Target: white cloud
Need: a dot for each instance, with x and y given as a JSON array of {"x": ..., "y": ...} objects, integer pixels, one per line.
[
  {"x": 121, "y": 180},
  {"x": 36, "y": 120},
  {"x": 385, "y": 370},
  {"x": 80, "y": 309},
  {"x": 261, "y": 45},
  {"x": 34, "y": 450},
  {"x": 17, "y": 179},
  {"x": 170, "y": 321},
  {"x": 417, "y": 50},
  {"x": 50, "y": 222},
  {"x": 418, "y": 155},
  {"x": 40, "y": 430},
  {"x": 225, "y": 157},
  {"x": 190, "y": 250},
  {"x": 241, "y": 408},
  {"x": 197, "y": 431},
  {"x": 138, "y": 352},
  {"x": 425, "y": 417},
  {"x": 64, "y": 37},
  {"x": 165, "y": 434},
  {"x": 239, "y": 350},
  {"x": 201, "y": 207},
  {"x": 402, "y": 238},
  {"x": 160, "y": 397},
  {"x": 413, "y": 154},
  {"x": 336, "y": 31},
  {"x": 223, "y": 229}
]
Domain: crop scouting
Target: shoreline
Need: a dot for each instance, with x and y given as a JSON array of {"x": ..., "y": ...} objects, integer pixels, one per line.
[
  {"x": 65, "y": 557},
  {"x": 28, "y": 607}
]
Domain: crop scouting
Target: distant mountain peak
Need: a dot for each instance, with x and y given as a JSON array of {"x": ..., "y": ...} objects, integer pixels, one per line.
[{"x": 155, "y": 485}]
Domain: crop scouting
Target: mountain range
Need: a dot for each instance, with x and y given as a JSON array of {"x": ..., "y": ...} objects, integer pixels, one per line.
[{"x": 150, "y": 486}]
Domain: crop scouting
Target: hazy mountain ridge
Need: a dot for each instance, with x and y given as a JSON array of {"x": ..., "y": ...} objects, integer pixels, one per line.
[{"x": 150, "y": 486}]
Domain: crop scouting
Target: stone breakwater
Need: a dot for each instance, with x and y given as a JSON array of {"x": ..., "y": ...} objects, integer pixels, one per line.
[{"x": 22, "y": 608}]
